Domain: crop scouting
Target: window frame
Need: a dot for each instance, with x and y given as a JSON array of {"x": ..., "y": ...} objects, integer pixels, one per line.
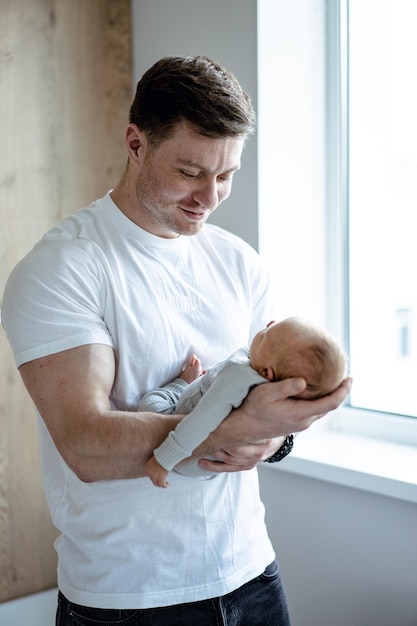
[
  {"x": 362, "y": 422},
  {"x": 302, "y": 185}
]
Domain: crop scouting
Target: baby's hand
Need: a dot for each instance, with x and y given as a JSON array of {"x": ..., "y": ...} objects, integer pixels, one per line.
[
  {"x": 192, "y": 370},
  {"x": 156, "y": 473}
]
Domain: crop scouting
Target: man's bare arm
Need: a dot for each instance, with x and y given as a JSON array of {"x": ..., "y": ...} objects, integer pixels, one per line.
[{"x": 71, "y": 391}]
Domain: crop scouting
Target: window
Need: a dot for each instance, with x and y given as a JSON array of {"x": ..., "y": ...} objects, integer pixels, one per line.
[
  {"x": 382, "y": 203},
  {"x": 338, "y": 190}
]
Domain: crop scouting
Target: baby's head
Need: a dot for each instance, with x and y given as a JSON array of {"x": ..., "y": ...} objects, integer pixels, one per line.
[{"x": 296, "y": 348}]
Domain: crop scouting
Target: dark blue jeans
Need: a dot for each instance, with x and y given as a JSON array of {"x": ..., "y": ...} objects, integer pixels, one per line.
[{"x": 260, "y": 602}]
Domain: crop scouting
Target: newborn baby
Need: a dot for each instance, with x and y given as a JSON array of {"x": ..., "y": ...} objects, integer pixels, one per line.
[{"x": 292, "y": 348}]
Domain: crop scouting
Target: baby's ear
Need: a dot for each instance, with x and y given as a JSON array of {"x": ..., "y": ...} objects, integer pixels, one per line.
[{"x": 268, "y": 373}]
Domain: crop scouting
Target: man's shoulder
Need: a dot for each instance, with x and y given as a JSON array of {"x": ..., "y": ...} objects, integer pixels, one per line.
[
  {"x": 63, "y": 250},
  {"x": 72, "y": 239},
  {"x": 77, "y": 226}
]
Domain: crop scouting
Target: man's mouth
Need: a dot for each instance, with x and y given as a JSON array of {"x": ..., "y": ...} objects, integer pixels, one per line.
[{"x": 194, "y": 215}]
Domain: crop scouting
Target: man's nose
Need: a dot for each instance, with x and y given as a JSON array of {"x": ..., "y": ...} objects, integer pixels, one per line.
[{"x": 207, "y": 194}]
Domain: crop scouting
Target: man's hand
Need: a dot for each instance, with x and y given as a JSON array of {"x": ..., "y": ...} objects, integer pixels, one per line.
[
  {"x": 272, "y": 409},
  {"x": 255, "y": 430},
  {"x": 242, "y": 458}
]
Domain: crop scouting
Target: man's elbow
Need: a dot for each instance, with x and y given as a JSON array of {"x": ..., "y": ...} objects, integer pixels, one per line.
[{"x": 84, "y": 467}]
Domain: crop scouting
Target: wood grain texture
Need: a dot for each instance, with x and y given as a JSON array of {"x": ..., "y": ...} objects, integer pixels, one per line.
[{"x": 65, "y": 92}]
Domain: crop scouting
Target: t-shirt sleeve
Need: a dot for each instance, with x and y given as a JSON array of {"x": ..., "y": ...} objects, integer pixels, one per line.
[{"x": 55, "y": 300}]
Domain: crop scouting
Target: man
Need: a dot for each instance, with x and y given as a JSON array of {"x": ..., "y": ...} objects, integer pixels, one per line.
[{"x": 105, "y": 308}]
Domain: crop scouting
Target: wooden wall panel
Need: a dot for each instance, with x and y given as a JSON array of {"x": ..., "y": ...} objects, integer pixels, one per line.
[{"x": 65, "y": 90}]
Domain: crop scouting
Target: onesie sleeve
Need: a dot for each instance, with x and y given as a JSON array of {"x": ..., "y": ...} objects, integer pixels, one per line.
[
  {"x": 163, "y": 399},
  {"x": 55, "y": 299},
  {"x": 227, "y": 392}
]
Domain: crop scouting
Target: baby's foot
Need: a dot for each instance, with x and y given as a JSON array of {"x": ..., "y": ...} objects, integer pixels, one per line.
[
  {"x": 157, "y": 473},
  {"x": 192, "y": 370}
]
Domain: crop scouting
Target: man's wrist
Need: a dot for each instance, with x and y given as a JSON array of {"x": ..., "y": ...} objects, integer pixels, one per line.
[{"x": 282, "y": 451}]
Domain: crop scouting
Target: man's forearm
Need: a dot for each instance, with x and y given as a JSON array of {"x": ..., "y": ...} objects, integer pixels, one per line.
[
  {"x": 115, "y": 445},
  {"x": 71, "y": 390}
]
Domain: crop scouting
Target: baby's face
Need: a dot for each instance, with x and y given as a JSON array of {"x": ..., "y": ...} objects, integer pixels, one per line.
[{"x": 267, "y": 345}]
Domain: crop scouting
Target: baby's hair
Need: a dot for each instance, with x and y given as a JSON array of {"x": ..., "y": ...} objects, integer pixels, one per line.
[{"x": 315, "y": 356}]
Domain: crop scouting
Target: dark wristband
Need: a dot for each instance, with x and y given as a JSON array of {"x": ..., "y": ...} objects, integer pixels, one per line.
[{"x": 283, "y": 450}]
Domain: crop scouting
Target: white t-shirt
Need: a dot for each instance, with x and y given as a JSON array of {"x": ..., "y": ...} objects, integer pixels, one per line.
[{"x": 99, "y": 278}]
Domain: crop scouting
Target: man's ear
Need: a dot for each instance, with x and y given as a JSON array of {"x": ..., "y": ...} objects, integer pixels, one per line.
[{"x": 135, "y": 140}]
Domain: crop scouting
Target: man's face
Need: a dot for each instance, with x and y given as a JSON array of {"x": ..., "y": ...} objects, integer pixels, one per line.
[{"x": 183, "y": 180}]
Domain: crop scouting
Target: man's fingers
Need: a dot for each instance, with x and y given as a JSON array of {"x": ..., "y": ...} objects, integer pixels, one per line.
[
  {"x": 333, "y": 400},
  {"x": 217, "y": 467},
  {"x": 240, "y": 458},
  {"x": 285, "y": 388}
]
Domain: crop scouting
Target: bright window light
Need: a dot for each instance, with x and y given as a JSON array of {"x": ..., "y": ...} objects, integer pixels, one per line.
[{"x": 382, "y": 204}]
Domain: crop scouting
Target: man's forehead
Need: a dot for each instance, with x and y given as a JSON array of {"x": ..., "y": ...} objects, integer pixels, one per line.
[{"x": 200, "y": 152}]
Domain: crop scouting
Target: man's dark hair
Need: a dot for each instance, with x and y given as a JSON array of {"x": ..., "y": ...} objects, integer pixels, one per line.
[{"x": 194, "y": 89}]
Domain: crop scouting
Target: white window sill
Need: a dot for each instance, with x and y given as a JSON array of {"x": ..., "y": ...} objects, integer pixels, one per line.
[{"x": 354, "y": 460}]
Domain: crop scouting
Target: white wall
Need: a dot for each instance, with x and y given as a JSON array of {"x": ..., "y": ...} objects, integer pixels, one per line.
[
  {"x": 291, "y": 153},
  {"x": 226, "y": 32},
  {"x": 348, "y": 557}
]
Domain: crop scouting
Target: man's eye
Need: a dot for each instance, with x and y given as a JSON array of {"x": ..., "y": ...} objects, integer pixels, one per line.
[{"x": 188, "y": 174}]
